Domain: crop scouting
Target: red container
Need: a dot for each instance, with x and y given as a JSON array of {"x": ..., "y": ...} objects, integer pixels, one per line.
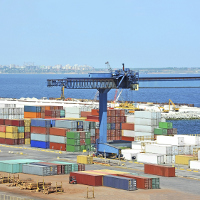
[
  {"x": 118, "y": 119},
  {"x": 41, "y": 130},
  {"x": 82, "y": 141},
  {"x": 27, "y": 135},
  {"x": 122, "y": 112},
  {"x": 81, "y": 167},
  {"x": 127, "y": 126},
  {"x": 108, "y": 119},
  {"x": 92, "y": 117},
  {"x": 142, "y": 182},
  {"x": 21, "y": 141},
  {"x": 85, "y": 113},
  {"x": 112, "y": 132},
  {"x": 17, "y": 122},
  {"x": 108, "y": 138},
  {"x": 112, "y": 119},
  {"x": 82, "y": 134},
  {"x": 97, "y": 131},
  {"x": 48, "y": 113},
  {"x": 3, "y": 128},
  {"x": 8, "y": 122},
  {"x": 11, "y": 141},
  {"x": 95, "y": 112},
  {"x": 159, "y": 170},
  {"x": 92, "y": 138},
  {"x": 87, "y": 179},
  {"x": 58, "y": 131},
  {"x": 109, "y": 133},
  {"x": 123, "y": 119},
  {"x": 111, "y": 113},
  {"x": 117, "y": 126},
  {"x": 127, "y": 138},
  {"x": 117, "y": 113},
  {"x": 118, "y": 132},
  {"x": 57, "y": 146},
  {"x": 2, "y": 141},
  {"x": 59, "y": 169},
  {"x": 2, "y": 121}
]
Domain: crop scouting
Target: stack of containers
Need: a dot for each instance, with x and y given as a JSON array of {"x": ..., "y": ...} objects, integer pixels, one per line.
[
  {"x": 165, "y": 128},
  {"x": 27, "y": 131},
  {"x": 73, "y": 142},
  {"x": 40, "y": 133},
  {"x": 52, "y": 112},
  {"x": 32, "y": 112},
  {"x": 69, "y": 167},
  {"x": 20, "y": 126},
  {"x": 11, "y": 111},
  {"x": 2, "y": 132},
  {"x": 75, "y": 112},
  {"x": 145, "y": 123},
  {"x": 57, "y": 138},
  {"x": 11, "y": 135}
]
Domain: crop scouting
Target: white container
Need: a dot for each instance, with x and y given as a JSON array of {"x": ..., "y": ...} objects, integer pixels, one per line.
[
  {"x": 146, "y": 122},
  {"x": 198, "y": 155},
  {"x": 167, "y": 159},
  {"x": 130, "y": 118},
  {"x": 130, "y": 154},
  {"x": 72, "y": 115},
  {"x": 195, "y": 164},
  {"x": 174, "y": 150},
  {"x": 181, "y": 150},
  {"x": 147, "y": 115},
  {"x": 136, "y": 145},
  {"x": 162, "y": 139},
  {"x": 143, "y": 134},
  {"x": 92, "y": 131},
  {"x": 128, "y": 133},
  {"x": 40, "y": 137},
  {"x": 187, "y": 150},
  {"x": 150, "y": 158},
  {"x": 160, "y": 149},
  {"x": 57, "y": 139},
  {"x": 189, "y": 140},
  {"x": 144, "y": 128},
  {"x": 173, "y": 159}
]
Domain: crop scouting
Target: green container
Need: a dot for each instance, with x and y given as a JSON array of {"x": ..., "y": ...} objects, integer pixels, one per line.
[
  {"x": 88, "y": 147},
  {"x": 73, "y": 135},
  {"x": 73, "y": 148},
  {"x": 83, "y": 147},
  {"x": 92, "y": 125},
  {"x": 73, "y": 141},
  {"x": 165, "y": 125},
  {"x": 87, "y": 141},
  {"x": 62, "y": 113},
  {"x": 160, "y": 131},
  {"x": 20, "y": 129},
  {"x": 87, "y": 135},
  {"x": 108, "y": 126}
]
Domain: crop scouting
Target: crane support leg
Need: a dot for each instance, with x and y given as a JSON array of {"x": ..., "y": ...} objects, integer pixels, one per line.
[{"x": 102, "y": 146}]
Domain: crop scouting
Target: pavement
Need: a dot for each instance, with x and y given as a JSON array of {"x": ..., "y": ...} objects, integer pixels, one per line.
[{"x": 186, "y": 180}]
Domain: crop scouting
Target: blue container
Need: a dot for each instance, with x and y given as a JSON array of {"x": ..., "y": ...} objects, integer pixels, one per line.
[
  {"x": 32, "y": 109},
  {"x": 53, "y": 123},
  {"x": 41, "y": 122},
  {"x": 112, "y": 126},
  {"x": 79, "y": 124},
  {"x": 119, "y": 182},
  {"x": 39, "y": 144}
]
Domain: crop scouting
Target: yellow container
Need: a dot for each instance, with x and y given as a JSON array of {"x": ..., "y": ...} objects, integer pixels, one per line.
[
  {"x": 27, "y": 141},
  {"x": 27, "y": 122},
  {"x": 184, "y": 159},
  {"x": 11, "y": 129},
  {"x": 21, "y": 135},
  {"x": 12, "y": 135},
  {"x": 27, "y": 129},
  {"x": 85, "y": 159},
  {"x": 2, "y": 135}
]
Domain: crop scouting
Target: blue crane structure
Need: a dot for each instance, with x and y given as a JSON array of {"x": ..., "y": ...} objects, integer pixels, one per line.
[{"x": 103, "y": 82}]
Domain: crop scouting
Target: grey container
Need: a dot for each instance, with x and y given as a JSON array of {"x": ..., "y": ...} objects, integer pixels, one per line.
[
  {"x": 40, "y": 137},
  {"x": 53, "y": 168},
  {"x": 36, "y": 169},
  {"x": 66, "y": 124},
  {"x": 86, "y": 125},
  {"x": 57, "y": 139}
]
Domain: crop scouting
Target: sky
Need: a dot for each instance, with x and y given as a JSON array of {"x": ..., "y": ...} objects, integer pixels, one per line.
[{"x": 140, "y": 34}]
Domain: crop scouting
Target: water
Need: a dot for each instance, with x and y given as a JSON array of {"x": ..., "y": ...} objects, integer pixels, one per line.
[{"x": 35, "y": 85}]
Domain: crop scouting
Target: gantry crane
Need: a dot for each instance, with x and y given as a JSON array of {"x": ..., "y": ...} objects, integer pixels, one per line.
[{"x": 103, "y": 82}]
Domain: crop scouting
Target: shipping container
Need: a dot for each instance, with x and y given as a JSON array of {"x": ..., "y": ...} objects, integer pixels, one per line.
[
  {"x": 127, "y": 126},
  {"x": 41, "y": 123},
  {"x": 39, "y": 144},
  {"x": 39, "y": 137},
  {"x": 57, "y": 146},
  {"x": 85, "y": 159},
  {"x": 73, "y": 148},
  {"x": 184, "y": 159},
  {"x": 57, "y": 139},
  {"x": 32, "y": 115},
  {"x": 165, "y": 125}
]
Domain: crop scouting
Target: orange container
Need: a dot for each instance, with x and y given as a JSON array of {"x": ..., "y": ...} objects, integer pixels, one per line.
[
  {"x": 59, "y": 131},
  {"x": 32, "y": 115},
  {"x": 127, "y": 138},
  {"x": 95, "y": 112},
  {"x": 40, "y": 130},
  {"x": 47, "y": 108},
  {"x": 2, "y": 128},
  {"x": 128, "y": 126}
]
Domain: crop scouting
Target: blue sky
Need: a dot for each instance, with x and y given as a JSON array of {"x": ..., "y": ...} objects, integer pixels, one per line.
[{"x": 141, "y": 34}]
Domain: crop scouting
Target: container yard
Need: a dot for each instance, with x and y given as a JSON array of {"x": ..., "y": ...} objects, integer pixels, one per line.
[{"x": 51, "y": 141}]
